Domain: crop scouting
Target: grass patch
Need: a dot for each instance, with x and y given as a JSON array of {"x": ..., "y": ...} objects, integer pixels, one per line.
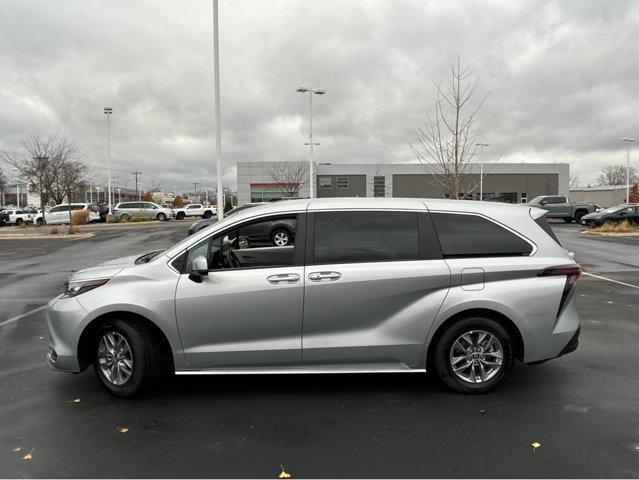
[
  {"x": 72, "y": 230},
  {"x": 616, "y": 227},
  {"x": 53, "y": 231}
]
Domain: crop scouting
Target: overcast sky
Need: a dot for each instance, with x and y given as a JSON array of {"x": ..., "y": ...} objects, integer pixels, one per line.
[{"x": 563, "y": 77}]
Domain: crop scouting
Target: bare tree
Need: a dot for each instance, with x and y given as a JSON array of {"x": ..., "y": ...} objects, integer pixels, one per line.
[
  {"x": 290, "y": 177},
  {"x": 72, "y": 179},
  {"x": 446, "y": 143},
  {"x": 3, "y": 185},
  {"x": 550, "y": 185},
  {"x": 381, "y": 182},
  {"x": 155, "y": 185},
  {"x": 616, "y": 175},
  {"x": 573, "y": 181}
]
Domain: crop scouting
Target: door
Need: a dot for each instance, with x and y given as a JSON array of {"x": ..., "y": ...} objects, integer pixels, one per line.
[
  {"x": 59, "y": 214},
  {"x": 247, "y": 310},
  {"x": 375, "y": 281}
]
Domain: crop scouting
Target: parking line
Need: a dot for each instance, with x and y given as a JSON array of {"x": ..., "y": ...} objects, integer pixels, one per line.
[
  {"x": 607, "y": 279},
  {"x": 20, "y": 317}
]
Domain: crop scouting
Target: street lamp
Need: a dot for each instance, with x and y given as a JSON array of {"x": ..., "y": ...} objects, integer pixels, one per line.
[
  {"x": 108, "y": 111},
  {"x": 119, "y": 195},
  {"x": 311, "y": 92},
  {"x": 481, "y": 170},
  {"x": 628, "y": 141}
]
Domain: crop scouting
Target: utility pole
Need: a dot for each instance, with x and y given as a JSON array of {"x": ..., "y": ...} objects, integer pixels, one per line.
[
  {"x": 136, "y": 174},
  {"x": 195, "y": 190},
  {"x": 218, "y": 127},
  {"x": 108, "y": 111}
]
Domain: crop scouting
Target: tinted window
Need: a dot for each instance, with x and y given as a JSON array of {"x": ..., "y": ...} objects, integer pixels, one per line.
[
  {"x": 543, "y": 223},
  {"x": 475, "y": 236},
  {"x": 342, "y": 237}
]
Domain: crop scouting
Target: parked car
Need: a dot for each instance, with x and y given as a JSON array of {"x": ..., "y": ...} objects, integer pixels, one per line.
[
  {"x": 194, "y": 210},
  {"x": 129, "y": 210},
  {"x": 200, "y": 224},
  {"x": 15, "y": 217},
  {"x": 382, "y": 285},
  {"x": 562, "y": 207},
  {"x": 60, "y": 213},
  {"x": 619, "y": 213}
]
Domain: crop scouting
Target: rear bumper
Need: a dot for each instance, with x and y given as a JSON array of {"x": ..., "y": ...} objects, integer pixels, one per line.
[{"x": 572, "y": 345}]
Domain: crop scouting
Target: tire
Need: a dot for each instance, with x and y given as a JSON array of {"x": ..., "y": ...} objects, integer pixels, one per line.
[
  {"x": 180, "y": 216},
  {"x": 568, "y": 220},
  {"x": 161, "y": 217},
  {"x": 207, "y": 214},
  {"x": 448, "y": 347},
  {"x": 579, "y": 215},
  {"x": 39, "y": 221},
  {"x": 280, "y": 237},
  {"x": 125, "y": 216},
  {"x": 19, "y": 222},
  {"x": 142, "y": 353}
]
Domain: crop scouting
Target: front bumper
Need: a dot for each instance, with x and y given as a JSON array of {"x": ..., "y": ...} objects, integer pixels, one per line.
[{"x": 65, "y": 317}]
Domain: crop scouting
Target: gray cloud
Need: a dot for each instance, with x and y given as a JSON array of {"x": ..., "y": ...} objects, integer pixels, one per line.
[{"x": 562, "y": 77}]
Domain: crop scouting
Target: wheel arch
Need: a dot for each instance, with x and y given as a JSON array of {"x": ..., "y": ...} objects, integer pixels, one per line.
[
  {"x": 88, "y": 337},
  {"x": 498, "y": 317}
]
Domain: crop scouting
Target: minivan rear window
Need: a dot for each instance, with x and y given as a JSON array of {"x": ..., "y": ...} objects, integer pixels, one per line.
[
  {"x": 351, "y": 237},
  {"x": 467, "y": 235}
]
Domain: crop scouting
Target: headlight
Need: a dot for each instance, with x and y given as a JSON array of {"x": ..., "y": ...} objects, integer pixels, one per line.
[{"x": 71, "y": 289}]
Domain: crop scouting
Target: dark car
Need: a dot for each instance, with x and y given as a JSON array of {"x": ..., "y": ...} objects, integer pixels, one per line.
[
  {"x": 629, "y": 211},
  {"x": 200, "y": 224}
]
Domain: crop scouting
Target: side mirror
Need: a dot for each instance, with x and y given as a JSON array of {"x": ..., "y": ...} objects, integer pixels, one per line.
[
  {"x": 243, "y": 243},
  {"x": 199, "y": 268},
  {"x": 543, "y": 202}
]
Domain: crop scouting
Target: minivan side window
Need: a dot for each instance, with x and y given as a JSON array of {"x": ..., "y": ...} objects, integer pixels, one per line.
[
  {"x": 462, "y": 235},
  {"x": 250, "y": 245},
  {"x": 356, "y": 236}
]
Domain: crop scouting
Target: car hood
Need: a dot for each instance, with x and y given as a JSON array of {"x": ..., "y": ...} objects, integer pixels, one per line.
[
  {"x": 104, "y": 270},
  {"x": 593, "y": 215}
]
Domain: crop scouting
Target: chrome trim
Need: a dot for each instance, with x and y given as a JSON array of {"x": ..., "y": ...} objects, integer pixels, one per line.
[{"x": 302, "y": 370}]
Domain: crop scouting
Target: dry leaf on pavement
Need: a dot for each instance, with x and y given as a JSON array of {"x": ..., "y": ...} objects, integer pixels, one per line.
[
  {"x": 535, "y": 445},
  {"x": 28, "y": 456},
  {"x": 123, "y": 429},
  {"x": 284, "y": 474}
]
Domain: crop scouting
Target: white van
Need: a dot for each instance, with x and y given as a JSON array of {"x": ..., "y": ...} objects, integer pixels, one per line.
[{"x": 60, "y": 213}]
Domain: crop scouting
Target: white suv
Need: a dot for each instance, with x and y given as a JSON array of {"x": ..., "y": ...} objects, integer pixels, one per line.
[{"x": 60, "y": 213}]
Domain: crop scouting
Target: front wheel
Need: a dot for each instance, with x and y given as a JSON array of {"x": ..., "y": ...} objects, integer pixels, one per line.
[
  {"x": 161, "y": 217},
  {"x": 579, "y": 216},
  {"x": 207, "y": 214},
  {"x": 19, "y": 221},
  {"x": 179, "y": 216},
  {"x": 126, "y": 359},
  {"x": 474, "y": 355},
  {"x": 280, "y": 238}
]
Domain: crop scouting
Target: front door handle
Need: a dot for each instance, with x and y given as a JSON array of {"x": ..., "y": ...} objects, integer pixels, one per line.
[
  {"x": 319, "y": 276},
  {"x": 284, "y": 278}
]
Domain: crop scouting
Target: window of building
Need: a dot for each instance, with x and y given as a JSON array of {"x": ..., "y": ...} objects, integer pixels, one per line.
[
  {"x": 474, "y": 236},
  {"x": 524, "y": 197},
  {"x": 379, "y": 186},
  {"x": 342, "y": 182},
  {"x": 347, "y": 237},
  {"x": 325, "y": 181}
]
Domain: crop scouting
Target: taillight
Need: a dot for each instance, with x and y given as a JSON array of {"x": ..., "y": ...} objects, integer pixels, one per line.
[{"x": 572, "y": 273}]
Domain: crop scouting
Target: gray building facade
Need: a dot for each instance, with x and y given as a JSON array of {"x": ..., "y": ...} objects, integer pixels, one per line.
[{"x": 508, "y": 182}]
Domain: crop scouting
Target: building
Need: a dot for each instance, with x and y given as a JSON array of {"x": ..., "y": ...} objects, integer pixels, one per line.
[
  {"x": 606, "y": 196},
  {"x": 507, "y": 182}
]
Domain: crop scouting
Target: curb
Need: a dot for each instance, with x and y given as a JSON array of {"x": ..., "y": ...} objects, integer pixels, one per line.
[{"x": 39, "y": 236}]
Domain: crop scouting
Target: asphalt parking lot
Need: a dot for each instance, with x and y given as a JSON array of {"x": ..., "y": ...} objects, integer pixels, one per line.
[{"x": 582, "y": 408}]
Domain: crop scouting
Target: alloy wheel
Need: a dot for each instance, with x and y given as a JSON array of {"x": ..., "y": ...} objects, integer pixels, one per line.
[
  {"x": 115, "y": 358},
  {"x": 476, "y": 356},
  {"x": 280, "y": 239}
]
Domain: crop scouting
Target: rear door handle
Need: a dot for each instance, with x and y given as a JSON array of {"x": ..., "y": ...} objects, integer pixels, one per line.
[
  {"x": 284, "y": 278},
  {"x": 319, "y": 276}
]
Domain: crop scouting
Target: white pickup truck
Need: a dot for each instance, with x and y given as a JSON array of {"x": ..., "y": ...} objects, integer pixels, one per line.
[
  {"x": 15, "y": 217},
  {"x": 194, "y": 210}
]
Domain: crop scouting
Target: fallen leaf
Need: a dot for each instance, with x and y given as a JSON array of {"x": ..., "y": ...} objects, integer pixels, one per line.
[
  {"x": 123, "y": 429},
  {"x": 284, "y": 474},
  {"x": 75, "y": 400},
  {"x": 610, "y": 301},
  {"x": 41, "y": 338},
  {"x": 28, "y": 456},
  {"x": 17, "y": 449},
  {"x": 483, "y": 412},
  {"x": 535, "y": 445}
]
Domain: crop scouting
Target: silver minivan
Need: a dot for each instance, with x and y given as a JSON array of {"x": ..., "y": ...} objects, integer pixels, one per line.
[
  {"x": 129, "y": 210},
  {"x": 459, "y": 288}
]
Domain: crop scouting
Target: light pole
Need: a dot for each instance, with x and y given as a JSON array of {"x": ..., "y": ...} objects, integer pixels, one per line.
[
  {"x": 119, "y": 195},
  {"x": 481, "y": 169},
  {"x": 311, "y": 92},
  {"x": 218, "y": 128},
  {"x": 97, "y": 192},
  {"x": 108, "y": 111},
  {"x": 628, "y": 141}
]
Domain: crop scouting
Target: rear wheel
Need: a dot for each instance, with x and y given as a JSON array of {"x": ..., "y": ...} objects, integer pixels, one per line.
[
  {"x": 39, "y": 221},
  {"x": 19, "y": 221},
  {"x": 179, "y": 216},
  {"x": 126, "y": 358},
  {"x": 579, "y": 215},
  {"x": 474, "y": 355},
  {"x": 207, "y": 214},
  {"x": 567, "y": 220},
  {"x": 161, "y": 217},
  {"x": 280, "y": 238},
  {"x": 125, "y": 217}
]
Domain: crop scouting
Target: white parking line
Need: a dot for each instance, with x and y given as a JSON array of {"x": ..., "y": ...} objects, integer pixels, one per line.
[
  {"x": 607, "y": 279},
  {"x": 20, "y": 317}
]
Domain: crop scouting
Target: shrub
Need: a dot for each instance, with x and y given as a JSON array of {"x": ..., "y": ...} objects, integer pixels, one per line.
[
  {"x": 53, "y": 231},
  {"x": 23, "y": 225},
  {"x": 79, "y": 217},
  {"x": 72, "y": 230},
  {"x": 616, "y": 227}
]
